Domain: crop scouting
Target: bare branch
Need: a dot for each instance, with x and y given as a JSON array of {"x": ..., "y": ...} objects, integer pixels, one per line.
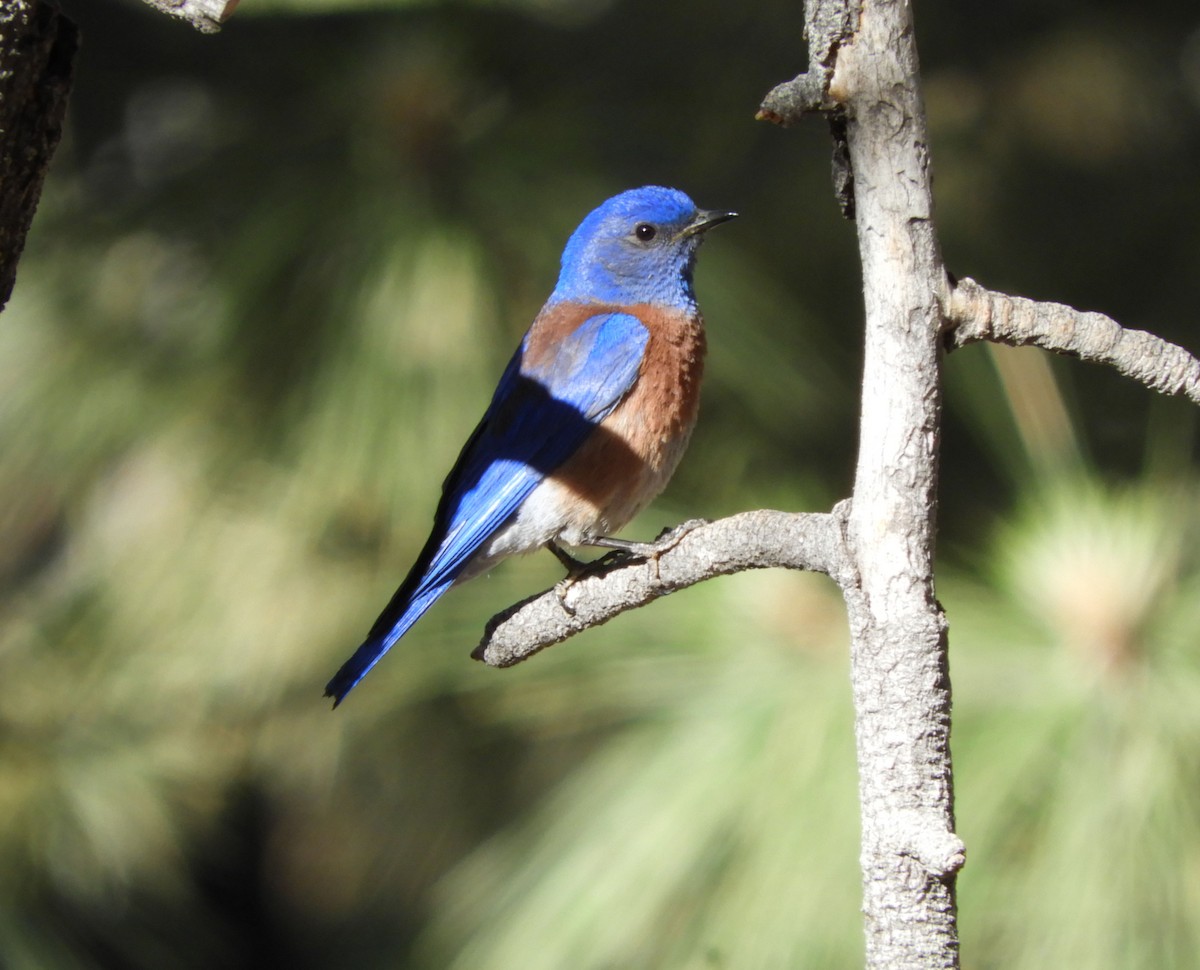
[
  {"x": 205, "y": 15},
  {"x": 977, "y": 314},
  {"x": 750, "y": 540}
]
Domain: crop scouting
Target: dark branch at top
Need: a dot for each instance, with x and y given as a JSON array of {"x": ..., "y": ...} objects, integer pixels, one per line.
[{"x": 37, "y": 51}]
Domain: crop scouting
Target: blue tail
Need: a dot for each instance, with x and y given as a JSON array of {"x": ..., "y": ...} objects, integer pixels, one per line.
[
  {"x": 533, "y": 424},
  {"x": 381, "y": 639}
]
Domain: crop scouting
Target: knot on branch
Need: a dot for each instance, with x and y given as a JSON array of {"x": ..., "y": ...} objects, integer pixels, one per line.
[{"x": 927, "y": 841}]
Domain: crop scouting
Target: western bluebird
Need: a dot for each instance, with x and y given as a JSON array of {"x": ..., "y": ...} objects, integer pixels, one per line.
[{"x": 589, "y": 419}]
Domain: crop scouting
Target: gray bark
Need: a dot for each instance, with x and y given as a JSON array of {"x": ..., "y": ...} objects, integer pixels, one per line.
[{"x": 899, "y": 664}]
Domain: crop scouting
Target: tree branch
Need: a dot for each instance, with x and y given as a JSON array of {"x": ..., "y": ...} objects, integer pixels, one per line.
[
  {"x": 750, "y": 540},
  {"x": 978, "y": 314},
  {"x": 37, "y": 50}
]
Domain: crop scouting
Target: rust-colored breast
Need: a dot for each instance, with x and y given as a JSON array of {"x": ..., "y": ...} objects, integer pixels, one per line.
[{"x": 632, "y": 454}]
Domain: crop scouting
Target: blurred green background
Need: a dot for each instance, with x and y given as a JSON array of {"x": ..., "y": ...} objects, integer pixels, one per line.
[{"x": 273, "y": 279}]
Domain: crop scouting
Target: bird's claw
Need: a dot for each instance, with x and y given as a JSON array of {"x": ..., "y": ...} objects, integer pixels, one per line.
[
  {"x": 631, "y": 552},
  {"x": 577, "y": 570},
  {"x": 561, "y": 588}
]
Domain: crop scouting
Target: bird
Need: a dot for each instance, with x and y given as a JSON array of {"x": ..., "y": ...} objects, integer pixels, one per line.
[{"x": 590, "y": 417}]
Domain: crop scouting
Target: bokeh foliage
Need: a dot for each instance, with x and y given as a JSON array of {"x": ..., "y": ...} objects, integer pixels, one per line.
[{"x": 272, "y": 281}]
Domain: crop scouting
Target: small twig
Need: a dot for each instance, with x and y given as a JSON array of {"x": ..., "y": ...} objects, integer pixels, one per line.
[
  {"x": 975, "y": 314},
  {"x": 787, "y": 103},
  {"x": 206, "y": 16},
  {"x": 750, "y": 540},
  {"x": 828, "y": 25}
]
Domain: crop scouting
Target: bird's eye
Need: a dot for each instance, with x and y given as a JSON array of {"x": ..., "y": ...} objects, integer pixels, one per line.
[{"x": 644, "y": 231}]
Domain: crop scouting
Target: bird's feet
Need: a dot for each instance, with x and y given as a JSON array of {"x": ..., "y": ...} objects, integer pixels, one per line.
[{"x": 621, "y": 552}]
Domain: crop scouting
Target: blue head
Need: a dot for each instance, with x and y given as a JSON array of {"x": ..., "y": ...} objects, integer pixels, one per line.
[{"x": 638, "y": 247}]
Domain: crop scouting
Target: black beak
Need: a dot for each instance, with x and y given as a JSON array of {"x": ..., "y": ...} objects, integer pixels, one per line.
[{"x": 705, "y": 219}]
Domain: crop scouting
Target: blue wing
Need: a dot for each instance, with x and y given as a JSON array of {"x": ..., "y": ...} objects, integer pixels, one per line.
[{"x": 538, "y": 417}]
